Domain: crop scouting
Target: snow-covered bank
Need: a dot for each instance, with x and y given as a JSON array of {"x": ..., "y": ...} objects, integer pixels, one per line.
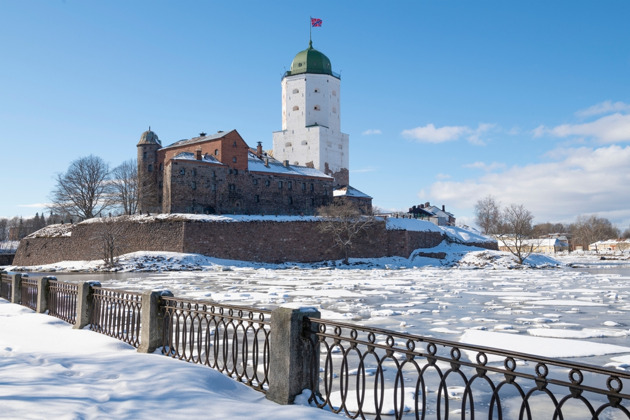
[
  {"x": 49, "y": 370},
  {"x": 454, "y": 255}
]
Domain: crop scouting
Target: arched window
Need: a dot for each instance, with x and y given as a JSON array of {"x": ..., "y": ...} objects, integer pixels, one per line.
[
  {"x": 234, "y": 159},
  {"x": 296, "y": 108},
  {"x": 296, "y": 90},
  {"x": 216, "y": 152},
  {"x": 334, "y": 93},
  {"x": 334, "y": 109},
  {"x": 288, "y": 144}
]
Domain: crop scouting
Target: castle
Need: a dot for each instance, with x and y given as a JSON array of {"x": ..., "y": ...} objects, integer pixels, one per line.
[{"x": 220, "y": 173}]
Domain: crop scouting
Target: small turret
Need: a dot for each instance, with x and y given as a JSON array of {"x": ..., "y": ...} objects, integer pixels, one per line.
[{"x": 148, "y": 191}]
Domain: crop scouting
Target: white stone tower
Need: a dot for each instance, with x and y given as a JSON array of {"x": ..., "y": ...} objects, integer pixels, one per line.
[{"x": 311, "y": 125}]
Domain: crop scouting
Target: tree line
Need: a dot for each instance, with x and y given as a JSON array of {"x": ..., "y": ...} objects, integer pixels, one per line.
[{"x": 514, "y": 224}]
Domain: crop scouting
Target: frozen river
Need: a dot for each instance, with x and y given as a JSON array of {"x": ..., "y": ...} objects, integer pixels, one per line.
[{"x": 590, "y": 304}]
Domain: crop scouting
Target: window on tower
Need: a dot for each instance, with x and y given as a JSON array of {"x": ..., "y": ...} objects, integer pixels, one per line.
[
  {"x": 296, "y": 108},
  {"x": 296, "y": 90},
  {"x": 316, "y": 107},
  {"x": 316, "y": 90}
]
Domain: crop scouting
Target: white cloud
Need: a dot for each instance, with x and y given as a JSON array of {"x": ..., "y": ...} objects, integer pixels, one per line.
[
  {"x": 582, "y": 181},
  {"x": 363, "y": 170},
  {"x": 611, "y": 128},
  {"x": 442, "y": 176},
  {"x": 371, "y": 132},
  {"x": 430, "y": 134},
  {"x": 605, "y": 107},
  {"x": 488, "y": 167}
]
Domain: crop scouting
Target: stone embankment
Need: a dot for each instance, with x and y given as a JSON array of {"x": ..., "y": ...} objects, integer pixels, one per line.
[{"x": 248, "y": 238}]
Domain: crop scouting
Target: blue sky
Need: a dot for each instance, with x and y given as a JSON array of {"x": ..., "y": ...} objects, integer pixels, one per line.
[{"x": 444, "y": 101}]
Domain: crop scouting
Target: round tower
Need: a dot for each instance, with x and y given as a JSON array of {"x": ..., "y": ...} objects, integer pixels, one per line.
[
  {"x": 311, "y": 123},
  {"x": 148, "y": 187}
]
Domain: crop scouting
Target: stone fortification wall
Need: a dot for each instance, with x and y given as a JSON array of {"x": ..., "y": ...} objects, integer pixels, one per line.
[
  {"x": 84, "y": 241},
  {"x": 265, "y": 241},
  {"x": 251, "y": 240}
]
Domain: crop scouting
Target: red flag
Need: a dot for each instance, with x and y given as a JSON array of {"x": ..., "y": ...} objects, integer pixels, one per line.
[{"x": 316, "y": 22}]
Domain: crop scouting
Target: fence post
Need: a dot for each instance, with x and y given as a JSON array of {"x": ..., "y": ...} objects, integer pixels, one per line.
[
  {"x": 42, "y": 293},
  {"x": 293, "y": 354},
  {"x": 16, "y": 288},
  {"x": 151, "y": 320},
  {"x": 84, "y": 303}
]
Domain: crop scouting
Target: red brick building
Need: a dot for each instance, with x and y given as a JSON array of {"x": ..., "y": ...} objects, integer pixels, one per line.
[{"x": 220, "y": 173}]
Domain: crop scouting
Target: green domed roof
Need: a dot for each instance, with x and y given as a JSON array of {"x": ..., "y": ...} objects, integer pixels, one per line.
[
  {"x": 310, "y": 61},
  {"x": 149, "y": 137}
]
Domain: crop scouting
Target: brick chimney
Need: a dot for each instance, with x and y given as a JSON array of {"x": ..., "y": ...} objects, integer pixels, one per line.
[
  {"x": 267, "y": 162},
  {"x": 443, "y": 207},
  {"x": 259, "y": 151},
  {"x": 427, "y": 204},
  {"x": 198, "y": 154},
  {"x": 286, "y": 163}
]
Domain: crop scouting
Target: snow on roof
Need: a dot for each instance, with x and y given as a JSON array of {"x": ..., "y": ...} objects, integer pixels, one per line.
[
  {"x": 465, "y": 235},
  {"x": 415, "y": 225},
  {"x": 191, "y": 156},
  {"x": 194, "y": 140},
  {"x": 256, "y": 164},
  {"x": 349, "y": 191}
]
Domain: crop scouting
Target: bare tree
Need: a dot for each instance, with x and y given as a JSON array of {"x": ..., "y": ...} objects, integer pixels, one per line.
[
  {"x": 590, "y": 229},
  {"x": 83, "y": 191},
  {"x": 626, "y": 234},
  {"x": 124, "y": 183},
  {"x": 108, "y": 233},
  {"x": 516, "y": 230},
  {"x": 345, "y": 223},
  {"x": 488, "y": 214}
]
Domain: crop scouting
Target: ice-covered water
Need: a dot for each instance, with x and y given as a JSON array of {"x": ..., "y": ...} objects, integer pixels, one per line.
[{"x": 569, "y": 304}]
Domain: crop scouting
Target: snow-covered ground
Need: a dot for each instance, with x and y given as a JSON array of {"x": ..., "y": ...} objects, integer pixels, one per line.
[
  {"x": 50, "y": 371},
  {"x": 476, "y": 296}
]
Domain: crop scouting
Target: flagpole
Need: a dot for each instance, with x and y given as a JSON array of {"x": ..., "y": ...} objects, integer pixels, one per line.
[{"x": 310, "y": 29}]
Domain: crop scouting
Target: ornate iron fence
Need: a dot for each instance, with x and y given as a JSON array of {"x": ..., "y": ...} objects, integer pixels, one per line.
[
  {"x": 231, "y": 339},
  {"x": 62, "y": 300},
  {"x": 29, "y": 292},
  {"x": 116, "y": 313},
  {"x": 5, "y": 286},
  {"x": 370, "y": 373}
]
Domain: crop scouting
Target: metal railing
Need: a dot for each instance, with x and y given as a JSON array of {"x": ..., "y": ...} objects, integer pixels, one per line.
[
  {"x": 5, "y": 286},
  {"x": 116, "y": 313},
  {"x": 62, "y": 300},
  {"x": 231, "y": 339},
  {"x": 29, "y": 292},
  {"x": 371, "y": 372}
]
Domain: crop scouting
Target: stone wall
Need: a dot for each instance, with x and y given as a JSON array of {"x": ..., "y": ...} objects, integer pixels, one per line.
[{"x": 257, "y": 240}]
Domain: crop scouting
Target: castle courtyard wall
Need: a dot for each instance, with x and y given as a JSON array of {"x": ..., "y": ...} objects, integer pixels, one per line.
[{"x": 254, "y": 240}]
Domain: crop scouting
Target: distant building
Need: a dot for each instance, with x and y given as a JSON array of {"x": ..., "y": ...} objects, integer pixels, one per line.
[
  {"x": 540, "y": 246},
  {"x": 614, "y": 245},
  {"x": 434, "y": 214}
]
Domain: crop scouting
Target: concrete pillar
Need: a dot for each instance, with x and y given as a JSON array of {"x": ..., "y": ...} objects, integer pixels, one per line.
[
  {"x": 294, "y": 355},
  {"x": 42, "y": 293},
  {"x": 16, "y": 288},
  {"x": 84, "y": 303},
  {"x": 151, "y": 320}
]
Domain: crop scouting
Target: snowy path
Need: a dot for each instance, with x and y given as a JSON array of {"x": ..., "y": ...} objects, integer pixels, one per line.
[{"x": 48, "y": 370}]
